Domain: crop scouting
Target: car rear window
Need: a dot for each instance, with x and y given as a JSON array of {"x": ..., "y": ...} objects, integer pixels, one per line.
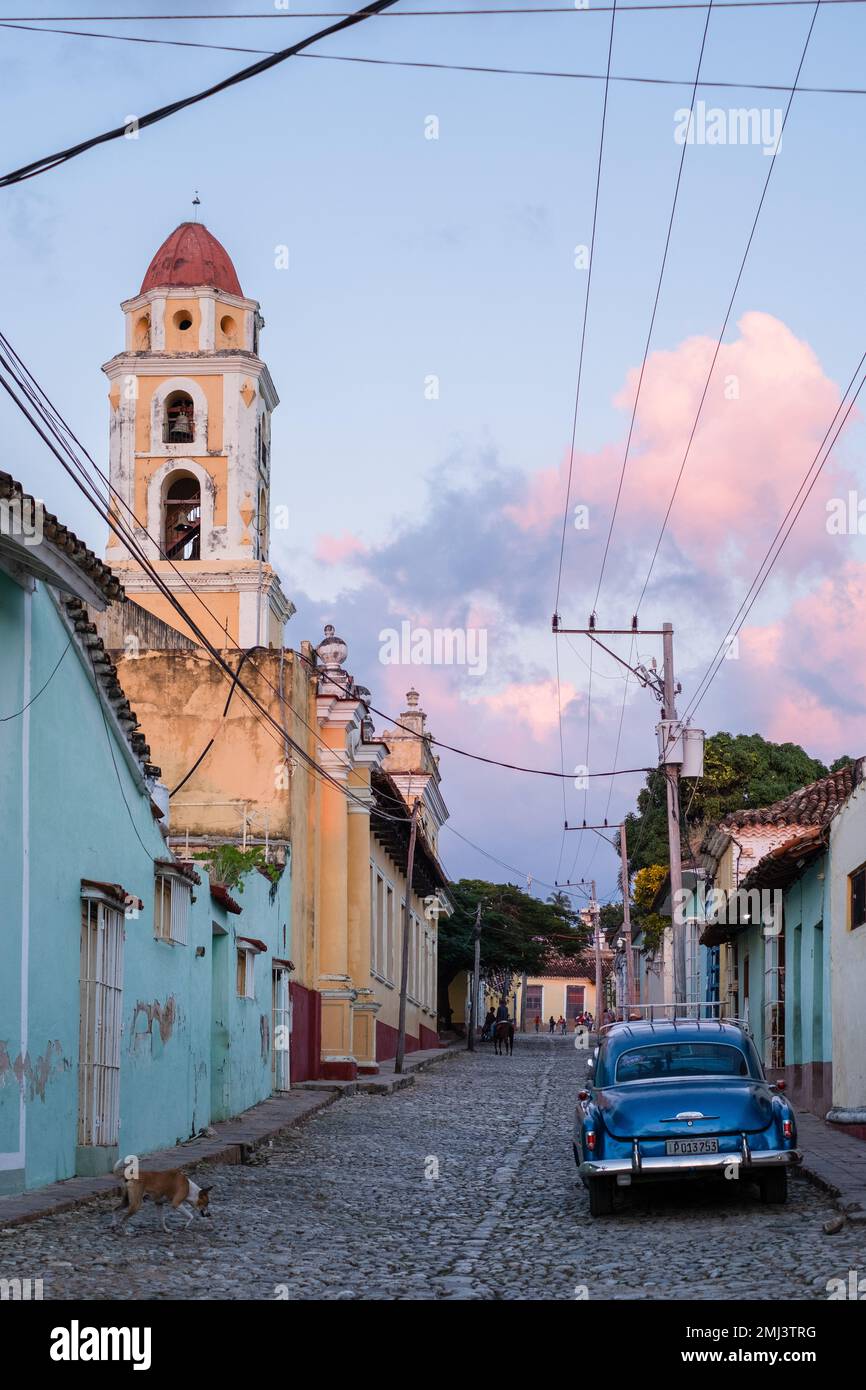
[{"x": 661, "y": 1061}]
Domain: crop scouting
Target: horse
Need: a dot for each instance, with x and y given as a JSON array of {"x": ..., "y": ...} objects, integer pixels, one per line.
[{"x": 503, "y": 1032}]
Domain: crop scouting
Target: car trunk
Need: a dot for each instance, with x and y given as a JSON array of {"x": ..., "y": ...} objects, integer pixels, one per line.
[{"x": 650, "y": 1111}]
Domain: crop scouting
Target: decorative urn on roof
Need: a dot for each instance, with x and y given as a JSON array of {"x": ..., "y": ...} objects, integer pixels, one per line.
[{"x": 332, "y": 652}]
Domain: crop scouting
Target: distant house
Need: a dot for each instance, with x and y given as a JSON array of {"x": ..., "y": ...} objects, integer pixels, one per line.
[
  {"x": 134, "y": 1007},
  {"x": 566, "y": 988}
]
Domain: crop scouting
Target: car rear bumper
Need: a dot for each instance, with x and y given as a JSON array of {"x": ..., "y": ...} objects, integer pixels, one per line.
[{"x": 669, "y": 1166}]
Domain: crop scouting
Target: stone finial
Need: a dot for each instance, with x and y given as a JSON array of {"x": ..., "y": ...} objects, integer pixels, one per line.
[
  {"x": 412, "y": 698},
  {"x": 332, "y": 652}
]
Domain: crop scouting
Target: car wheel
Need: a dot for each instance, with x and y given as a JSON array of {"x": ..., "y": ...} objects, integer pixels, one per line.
[
  {"x": 774, "y": 1186},
  {"x": 600, "y": 1197}
]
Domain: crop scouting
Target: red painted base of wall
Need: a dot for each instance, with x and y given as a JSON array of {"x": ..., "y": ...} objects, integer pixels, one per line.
[
  {"x": 306, "y": 1033},
  {"x": 856, "y": 1131},
  {"x": 386, "y": 1041},
  {"x": 368, "y": 1071},
  {"x": 338, "y": 1071}
]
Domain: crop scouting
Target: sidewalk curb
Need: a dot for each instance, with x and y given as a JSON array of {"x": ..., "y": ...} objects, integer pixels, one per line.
[{"x": 234, "y": 1142}]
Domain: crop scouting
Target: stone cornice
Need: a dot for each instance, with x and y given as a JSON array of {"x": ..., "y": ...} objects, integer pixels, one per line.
[{"x": 187, "y": 292}]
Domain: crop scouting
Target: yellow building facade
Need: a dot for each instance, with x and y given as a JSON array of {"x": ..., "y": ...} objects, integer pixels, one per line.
[{"x": 278, "y": 750}]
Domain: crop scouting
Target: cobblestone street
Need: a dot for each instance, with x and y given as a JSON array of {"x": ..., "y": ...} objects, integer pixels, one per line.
[{"x": 351, "y": 1207}]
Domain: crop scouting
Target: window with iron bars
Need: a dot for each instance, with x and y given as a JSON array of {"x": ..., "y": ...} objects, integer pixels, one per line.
[
  {"x": 100, "y": 1020},
  {"x": 172, "y": 899}
]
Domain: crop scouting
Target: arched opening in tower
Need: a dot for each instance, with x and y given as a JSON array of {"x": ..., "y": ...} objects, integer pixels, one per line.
[
  {"x": 179, "y": 420},
  {"x": 182, "y": 518}
]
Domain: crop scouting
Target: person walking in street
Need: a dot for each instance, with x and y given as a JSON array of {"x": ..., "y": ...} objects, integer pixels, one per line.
[
  {"x": 561, "y": 1026},
  {"x": 551, "y": 1023},
  {"x": 537, "y": 1022},
  {"x": 487, "y": 1030}
]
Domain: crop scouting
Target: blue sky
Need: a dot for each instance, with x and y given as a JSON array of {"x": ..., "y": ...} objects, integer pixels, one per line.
[{"x": 454, "y": 257}]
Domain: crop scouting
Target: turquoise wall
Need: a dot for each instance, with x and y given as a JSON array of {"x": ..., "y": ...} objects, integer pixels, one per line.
[
  {"x": 89, "y": 818},
  {"x": 808, "y": 1036}
]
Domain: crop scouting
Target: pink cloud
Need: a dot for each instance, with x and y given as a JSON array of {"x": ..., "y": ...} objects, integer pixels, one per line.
[
  {"x": 336, "y": 550},
  {"x": 532, "y": 704},
  {"x": 765, "y": 414},
  {"x": 814, "y": 667}
]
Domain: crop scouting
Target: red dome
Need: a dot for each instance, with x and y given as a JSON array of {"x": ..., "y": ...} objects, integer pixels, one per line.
[{"x": 191, "y": 256}]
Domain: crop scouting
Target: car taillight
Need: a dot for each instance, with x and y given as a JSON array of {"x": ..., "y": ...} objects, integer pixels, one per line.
[
  {"x": 583, "y": 1095},
  {"x": 590, "y": 1139},
  {"x": 780, "y": 1085},
  {"x": 788, "y": 1129}
]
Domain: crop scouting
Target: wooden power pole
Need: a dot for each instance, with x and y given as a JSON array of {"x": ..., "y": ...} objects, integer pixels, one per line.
[
  {"x": 672, "y": 779},
  {"x": 594, "y": 909},
  {"x": 476, "y": 971},
  {"x": 626, "y": 926},
  {"x": 407, "y": 922}
]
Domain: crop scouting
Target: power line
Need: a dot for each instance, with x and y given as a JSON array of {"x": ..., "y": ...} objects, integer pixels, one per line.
[
  {"x": 41, "y": 166},
  {"x": 449, "y": 67},
  {"x": 599, "y": 162},
  {"x": 107, "y": 514},
  {"x": 726, "y": 319},
  {"x": 5, "y": 718},
  {"x": 585, "y": 308},
  {"x": 465, "y": 752},
  {"x": 652, "y": 321},
  {"x": 658, "y": 5},
  {"x": 759, "y": 581}
]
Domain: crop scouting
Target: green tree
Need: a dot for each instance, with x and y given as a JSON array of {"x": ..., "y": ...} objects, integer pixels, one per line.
[
  {"x": 740, "y": 770},
  {"x": 518, "y": 932}
]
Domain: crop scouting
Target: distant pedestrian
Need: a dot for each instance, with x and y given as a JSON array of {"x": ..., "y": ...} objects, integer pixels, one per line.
[
  {"x": 551, "y": 1023},
  {"x": 561, "y": 1026},
  {"x": 537, "y": 1022}
]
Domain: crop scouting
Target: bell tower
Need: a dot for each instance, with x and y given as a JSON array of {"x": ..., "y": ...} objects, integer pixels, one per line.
[{"x": 190, "y": 446}]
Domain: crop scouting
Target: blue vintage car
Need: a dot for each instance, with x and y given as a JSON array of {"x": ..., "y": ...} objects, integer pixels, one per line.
[{"x": 682, "y": 1098}]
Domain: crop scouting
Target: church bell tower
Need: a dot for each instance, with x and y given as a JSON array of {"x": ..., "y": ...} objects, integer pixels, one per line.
[{"x": 190, "y": 451}]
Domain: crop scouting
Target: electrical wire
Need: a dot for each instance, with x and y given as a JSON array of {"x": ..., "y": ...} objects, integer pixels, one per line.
[
  {"x": 446, "y": 67},
  {"x": 652, "y": 321},
  {"x": 575, "y": 411},
  {"x": 51, "y": 161},
  {"x": 760, "y": 580},
  {"x": 656, "y": 6},
  {"x": 5, "y": 718},
  {"x": 729, "y": 309},
  {"x": 110, "y": 517}
]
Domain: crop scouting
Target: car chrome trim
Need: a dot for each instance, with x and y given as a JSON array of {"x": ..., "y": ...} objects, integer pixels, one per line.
[{"x": 766, "y": 1158}]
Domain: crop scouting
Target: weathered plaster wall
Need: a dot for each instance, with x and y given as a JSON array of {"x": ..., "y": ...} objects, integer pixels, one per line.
[{"x": 89, "y": 818}]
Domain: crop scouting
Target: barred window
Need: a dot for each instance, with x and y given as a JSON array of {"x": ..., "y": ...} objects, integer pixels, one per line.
[{"x": 172, "y": 898}]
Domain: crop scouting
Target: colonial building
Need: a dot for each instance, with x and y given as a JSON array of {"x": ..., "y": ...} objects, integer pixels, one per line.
[
  {"x": 191, "y": 405},
  {"x": 279, "y": 752},
  {"x": 137, "y": 998}
]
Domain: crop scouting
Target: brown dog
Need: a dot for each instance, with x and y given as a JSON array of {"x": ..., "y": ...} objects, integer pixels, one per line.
[{"x": 172, "y": 1186}]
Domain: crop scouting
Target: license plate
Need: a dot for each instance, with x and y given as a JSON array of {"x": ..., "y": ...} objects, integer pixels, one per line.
[{"x": 678, "y": 1148}]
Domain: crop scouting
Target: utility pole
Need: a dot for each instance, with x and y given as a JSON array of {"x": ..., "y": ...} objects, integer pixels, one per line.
[
  {"x": 594, "y": 909},
  {"x": 626, "y": 926},
  {"x": 476, "y": 970},
  {"x": 407, "y": 920},
  {"x": 672, "y": 779}
]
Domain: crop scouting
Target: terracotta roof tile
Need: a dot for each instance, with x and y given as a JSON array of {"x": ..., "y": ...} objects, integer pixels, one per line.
[
  {"x": 815, "y": 804},
  {"x": 60, "y": 536}
]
